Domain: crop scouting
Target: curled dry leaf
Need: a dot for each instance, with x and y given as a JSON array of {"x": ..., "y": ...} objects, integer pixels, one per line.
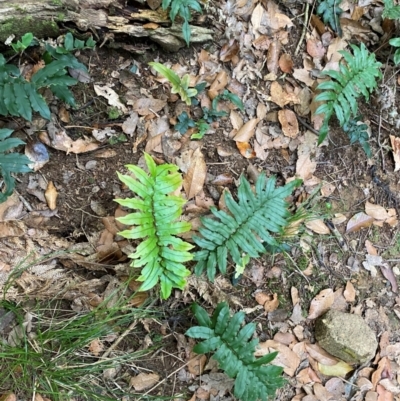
[
  {"x": 246, "y": 131},
  {"x": 219, "y": 83},
  {"x": 395, "y": 142},
  {"x": 288, "y": 120},
  {"x": 110, "y": 95},
  {"x": 281, "y": 97},
  {"x": 195, "y": 177},
  {"x": 51, "y": 195},
  {"x": 321, "y": 303},
  {"x": 315, "y": 48},
  {"x": 229, "y": 50},
  {"x": 359, "y": 221},
  {"x": 349, "y": 293},
  {"x": 273, "y": 56},
  {"x": 236, "y": 120}
]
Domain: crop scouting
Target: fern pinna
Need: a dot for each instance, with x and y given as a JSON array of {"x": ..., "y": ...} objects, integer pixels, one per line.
[
  {"x": 357, "y": 77},
  {"x": 250, "y": 222},
  {"x": 161, "y": 255},
  {"x": 235, "y": 352}
]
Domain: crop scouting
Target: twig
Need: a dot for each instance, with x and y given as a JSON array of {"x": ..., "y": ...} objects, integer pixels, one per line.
[
  {"x": 303, "y": 33},
  {"x": 307, "y": 125},
  {"x": 120, "y": 338}
]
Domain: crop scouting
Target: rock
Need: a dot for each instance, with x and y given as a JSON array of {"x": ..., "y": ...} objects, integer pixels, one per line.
[{"x": 346, "y": 336}]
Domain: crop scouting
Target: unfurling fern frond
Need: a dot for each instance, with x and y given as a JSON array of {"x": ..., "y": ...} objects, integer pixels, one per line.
[
  {"x": 10, "y": 162},
  {"x": 235, "y": 352},
  {"x": 161, "y": 255},
  {"x": 358, "y": 76},
  {"x": 251, "y": 222}
]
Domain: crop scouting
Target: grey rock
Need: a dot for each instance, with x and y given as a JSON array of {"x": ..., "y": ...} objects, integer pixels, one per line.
[{"x": 346, "y": 336}]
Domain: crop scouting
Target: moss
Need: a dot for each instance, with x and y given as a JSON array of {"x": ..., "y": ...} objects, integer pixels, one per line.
[
  {"x": 20, "y": 26},
  {"x": 60, "y": 17}
]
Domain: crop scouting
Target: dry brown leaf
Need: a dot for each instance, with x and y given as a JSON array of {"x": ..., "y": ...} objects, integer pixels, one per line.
[
  {"x": 218, "y": 84},
  {"x": 275, "y": 20},
  {"x": 236, "y": 120},
  {"x": 195, "y": 177},
  {"x": 358, "y": 221},
  {"x": 286, "y": 357},
  {"x": 371, "y": 250},
  {"x": 271, "y": 303},
  {"x": 96, "y": 347},
  {"x": 376, "y": 211},
  {"x": 305, "y": 167},
  {"x": 321, "y": 303},
  {"x": 8, "y": 397},
  {"x": 229, "y": 50},
  {"x": 261, "y": 111},
  {"x": 246, "y": 150},
  {"x": 129, "y": 125},
  {"x": 338, "y": 218},
  {"x": 143, "y": 381},
  {"x": 288, "y": 120},
  {"x": 383, "y": 394},
  {"x": 315, "y": 48},
  {"x": 327, "y": 189},
  {"x": 281, "y": 97},
  {"x": 349, "y": 293},
  {"x": 273, "y": 56},
  {"x": 246, "y": 131},
  {"x": 318, "y": 226},
  {"x": 146, "y": 106},
  {"x": 110, "y": 95},
  {"x": 294, "y": 294},
  {"x": 286, "y": 63},
  {"x": 336, "y": 45},
  {"x": 303, "y": 75},
  {"x": 395, "y": 142},
  {"x": 51, "y": 195},
  {"x": 320, "y": 355},
  {"x": 196, "y": 364}
]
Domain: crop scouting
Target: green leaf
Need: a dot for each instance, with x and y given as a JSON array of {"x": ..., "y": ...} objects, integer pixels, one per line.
[
  {"x": 185, "y": 122},
  {"x": 22, "y": 102},
  {"x": 186, "y": 32},
  {"x": 234, "y": 351},
  {"x": 69, "y": 42},
  {"x": 330, "y": 12},
  {"x": 161, "y": 255}
]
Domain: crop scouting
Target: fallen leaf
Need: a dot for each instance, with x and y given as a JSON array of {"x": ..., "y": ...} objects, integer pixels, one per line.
[
  {"x": 236, "y": 120},
  {"x": 195, "y": 177},
  {"x": 305, "y": 167},
  {"x": 338, "y": 218},
  {"x": 145, "y": 106},
  {"x": 196, "y": 364},
  {"x": 286, "y": 63},
  {"x": 218, "y": 84},
  {"x": 303, "y": 75},
  {"x": 376, "y": 211},
  {"x": 315, "y": 48},
  {"x": 246, "y": 131},
  {"x": 339, "y": 370},
  {"x": 271, "y": 303},
  {"x": 359, "y": 221},
  {"x": 321, "y": 303},
  {"x": 273, "y": 56},
  {"x": 96, "y": 347},
  {"x": 144, "y": 380},
  {"x": 327, "y": 189},
  {"x": 395, "y": 142},
  {"x": 246, "y": 150},
  {"x": 229, "y": 50},
  {"x": 51, "y": 195},
  {"x": 370, "y": 248},
  {"x": 349, "y": 293},
  {"x": 110, "y": 95},
  {"x": 318, "y": 226},
  {"x": 129, "y": 125},
  {"x": 320, "y": 355},
  {"x": 387, "y": 272},
  {"x": 288, "y": 120},
  {"x": 281, "y": 97}
]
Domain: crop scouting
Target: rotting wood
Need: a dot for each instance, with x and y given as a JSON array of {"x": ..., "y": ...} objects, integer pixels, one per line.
[{"x": 43, "y": 19}]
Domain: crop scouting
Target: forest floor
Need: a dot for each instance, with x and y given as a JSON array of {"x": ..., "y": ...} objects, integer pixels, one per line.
[{"x": 58, "y": 266}]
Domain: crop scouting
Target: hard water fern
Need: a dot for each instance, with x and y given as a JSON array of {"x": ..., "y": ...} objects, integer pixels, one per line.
[
  {"x": 251, "y": 221},
  {"x": 161, "y": 254},
  {"x": 235, "y": 348},
  {"x": 10, "y": 162},
  {"x": 330, "y": 12},
  {"x": 357, "y": 76}
]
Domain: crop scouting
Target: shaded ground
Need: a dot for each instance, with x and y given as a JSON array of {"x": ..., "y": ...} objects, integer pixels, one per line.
[{"x": 87, "y": 185}]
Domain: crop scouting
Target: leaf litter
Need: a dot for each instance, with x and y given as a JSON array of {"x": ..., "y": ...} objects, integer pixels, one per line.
[{"x": 255, "y": 137}]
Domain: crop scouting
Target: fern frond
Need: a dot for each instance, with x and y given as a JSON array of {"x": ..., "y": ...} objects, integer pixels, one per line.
[
  {"x": 252, "y": 221},
  {"x": 235, "y": 352},
  {"x": 161, "y": 254},
  {"x": 358, "y": 76},
  {"x": 330, "y": 12},
  {"x": 10, "y": 162}
]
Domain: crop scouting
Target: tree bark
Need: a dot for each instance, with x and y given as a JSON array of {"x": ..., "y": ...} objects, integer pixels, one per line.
[{"x": 44, "y": 17}]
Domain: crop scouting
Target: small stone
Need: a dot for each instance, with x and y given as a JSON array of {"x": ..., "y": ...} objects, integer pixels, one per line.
[
  {"x": 90, "y": 165},
  {"x": 346, "y": 336}
]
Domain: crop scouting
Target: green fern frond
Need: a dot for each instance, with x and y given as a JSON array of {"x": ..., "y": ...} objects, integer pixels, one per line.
[
  {"x": 358, "y": 132},
  {"x": 330, "y": 12},
  {"x": 391, "y": 11},
  {"x": 251, "y": 221},
  {"x": 358, "y": 76},
  {"x": 10, "y": 162},
  {"x": 161, "y": 255},
  {"x": 235, "y": 352}
]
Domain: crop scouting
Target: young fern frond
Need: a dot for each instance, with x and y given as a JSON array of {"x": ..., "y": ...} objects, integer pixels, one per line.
[
  {"x": 161, "y": 254},
  {"x": 235, "y": 352},
  {"x": 358, "y": 76},
  {"x": 251, "y": 221}
]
